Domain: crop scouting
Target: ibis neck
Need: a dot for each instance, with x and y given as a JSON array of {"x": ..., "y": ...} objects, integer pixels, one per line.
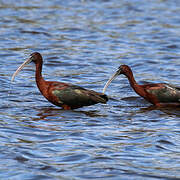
[
  {"x": 137, "y": 88},
  {"x": 39, "y": 79}
]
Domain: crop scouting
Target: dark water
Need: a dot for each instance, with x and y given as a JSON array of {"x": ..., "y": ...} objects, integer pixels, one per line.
[{"x": 83, "y": 42}]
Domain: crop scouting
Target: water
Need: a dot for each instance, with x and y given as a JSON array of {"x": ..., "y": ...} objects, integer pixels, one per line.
[{"x": 83, "y": 42}]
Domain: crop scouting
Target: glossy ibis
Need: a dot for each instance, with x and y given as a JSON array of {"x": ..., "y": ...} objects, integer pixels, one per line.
[
  {"x": 61, "y": 94},
  {"x": 159, "y": 94}
]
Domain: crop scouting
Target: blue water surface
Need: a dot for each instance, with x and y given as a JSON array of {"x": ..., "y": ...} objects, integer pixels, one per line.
[{"x": 83, "y": 42}]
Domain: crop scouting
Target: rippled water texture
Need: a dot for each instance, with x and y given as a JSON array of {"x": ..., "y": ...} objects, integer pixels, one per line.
[{"x": 83, "y": 42}]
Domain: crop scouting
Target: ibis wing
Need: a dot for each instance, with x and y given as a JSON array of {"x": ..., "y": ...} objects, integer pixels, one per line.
[
  {"x": 177, "y": 88},
  {"x": 165, "y": 92},
  {"x": 76, "y": 96}
]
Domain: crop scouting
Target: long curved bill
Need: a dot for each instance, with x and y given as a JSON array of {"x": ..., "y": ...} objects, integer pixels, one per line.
[
  {"x": 110, "y": 80},
  {"x": 21, "y": 67}
]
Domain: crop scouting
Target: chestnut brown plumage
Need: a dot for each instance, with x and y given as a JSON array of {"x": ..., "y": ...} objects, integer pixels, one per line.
[
  {"x": 159, "y": 94},
  {"x": 61, "y": 94}
]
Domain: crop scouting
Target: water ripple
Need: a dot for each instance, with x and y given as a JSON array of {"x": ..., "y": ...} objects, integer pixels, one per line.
[{"x": 83, "y": 42}]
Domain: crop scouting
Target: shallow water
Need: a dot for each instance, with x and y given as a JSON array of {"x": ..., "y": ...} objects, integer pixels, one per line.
[{"x": 83, "y": 42}]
